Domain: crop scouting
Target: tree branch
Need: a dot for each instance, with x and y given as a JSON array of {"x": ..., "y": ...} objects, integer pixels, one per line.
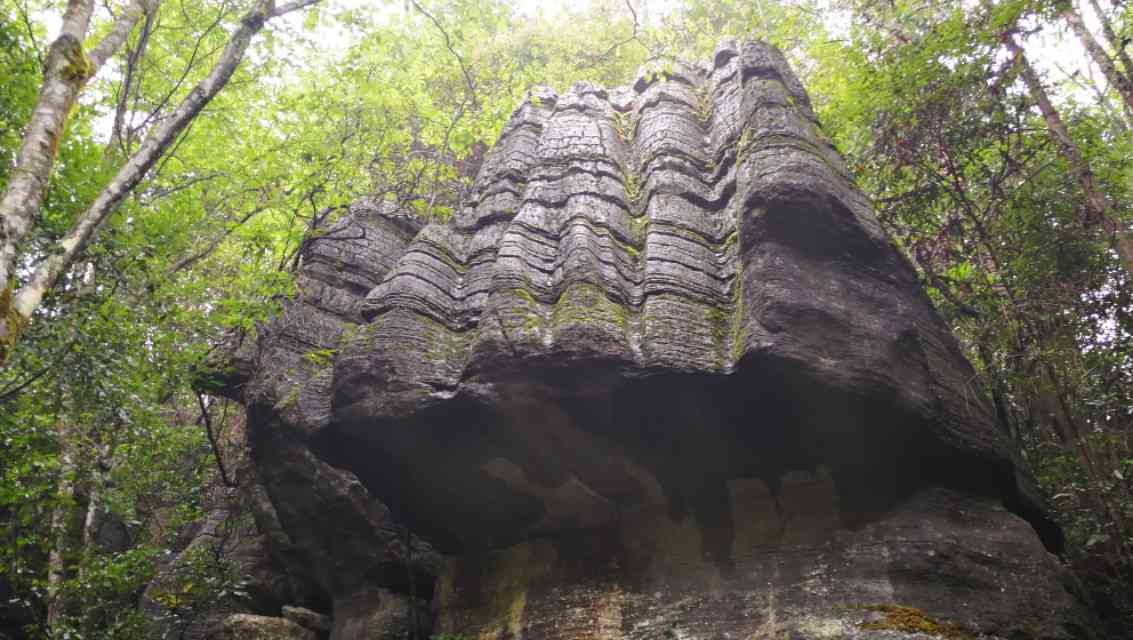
[
  {"x": 214, "y": 444},
  {"x": 119, "y": 32},
  {"x": 188, "y": 261},
  {"x": 23, "y": 9},
  {"x": 288, "y": 7}
]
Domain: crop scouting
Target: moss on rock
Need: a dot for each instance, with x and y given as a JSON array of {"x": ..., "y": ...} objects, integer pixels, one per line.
[{"x": 913, "y": 620}]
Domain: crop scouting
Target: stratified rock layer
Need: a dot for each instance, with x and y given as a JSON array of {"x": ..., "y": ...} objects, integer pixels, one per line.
[{"x": 662, "y": 373}]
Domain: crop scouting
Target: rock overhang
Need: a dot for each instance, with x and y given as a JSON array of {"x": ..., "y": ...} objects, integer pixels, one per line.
[
  {"x": 698, "y": 225},
  {"x": 663, "y": 315}
]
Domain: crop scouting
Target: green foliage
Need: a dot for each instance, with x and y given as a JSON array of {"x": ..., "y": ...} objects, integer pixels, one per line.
[
  {"x": 1076, "y": 492},
  {"x": 202, "y": 579},
  {"x": 21, "y": 85},
  {"x": 938, "y": 129}
]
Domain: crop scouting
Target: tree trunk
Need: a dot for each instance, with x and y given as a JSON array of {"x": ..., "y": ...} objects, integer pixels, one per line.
[
  {"x": 67, "y": 70},
  {"x": 1114, "y": 41},
  {"x": 22, "y": 303},
  {"x": 1120, "y": 82},
  {"x": 94, "y": 516},
  {"x": 60, "y": 530},
  {"x": 1097, "y": 203},
  {"x": 92, "y": 522}
]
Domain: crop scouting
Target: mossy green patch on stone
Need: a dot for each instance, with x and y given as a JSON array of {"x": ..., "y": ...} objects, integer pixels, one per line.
[
  {"x": 348, "y": 334},
  {"x": 528, "y": 310},
  {"x": 719, "y": 321},
  {"x": 912, "y": 620},
  {"x": 290, "y": 399},
  {"x": 445, "y": 345},
  {"x": 638, "y": 225},
  {"x": 730, "y": 241},
  {"x": 739, "y": 323},
  {"x": 625, "y": 125},
  {"x": 631, "y": 182},
  {"x": 704, "y": 105},
  {"x": 743, "y": 145},
  {"x": 320, "y": 358},
  {"x": 525, "y": 295},
  {"x": 586, "y": 303},
  {"x": 665, "y": 547}
]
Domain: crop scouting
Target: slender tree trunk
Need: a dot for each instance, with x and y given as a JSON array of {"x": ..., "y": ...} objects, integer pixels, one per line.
[
  {"x": 27, "y": 299},
  {"x": 93, "y": 519},
  {"x": 92, "y": 522},
  {"x": 1097, "y": 203},
  {"x": 995, "y": 384},
  {"x": 1119, "y": 81},
  {"x": 60, "y": 530},
  {"x": 67, "y": 70},
  {"x": 130, "y": 79},
  {"x": 1115, "y": 42}
]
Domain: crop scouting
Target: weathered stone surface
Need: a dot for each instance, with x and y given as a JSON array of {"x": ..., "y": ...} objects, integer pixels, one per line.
[
  {"x": 792, "y": 572},
  {"x": 324, "y": 525},
  {"x": 307, "y": 619},
  {"x": 243, "y": 626},
  {"x": 662, "y": 373},
  {"x": 379, "y": 614}
]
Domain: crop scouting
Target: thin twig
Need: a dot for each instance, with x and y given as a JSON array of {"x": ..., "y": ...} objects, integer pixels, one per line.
[
  {"x": 31, "y": 34},
  {"x": 188, "y": 261},
  {"x": 448, "y": 45},
  {"x": 224, "y": 477},
  {"x": 161, "y": 193}
]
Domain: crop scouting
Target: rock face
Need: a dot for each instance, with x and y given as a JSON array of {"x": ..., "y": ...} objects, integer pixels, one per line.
[
  {"x": 242, "y": 626},
  {"x": 661, "y": 375}
]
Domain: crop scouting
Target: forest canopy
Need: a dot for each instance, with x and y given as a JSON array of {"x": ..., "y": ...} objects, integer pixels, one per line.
[{"x": 163, "y": 163}]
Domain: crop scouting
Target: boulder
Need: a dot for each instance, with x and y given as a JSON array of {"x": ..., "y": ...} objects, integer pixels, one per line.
[
  {"x": 243, "y": 626},
  {"x": 661, "y": 375}
]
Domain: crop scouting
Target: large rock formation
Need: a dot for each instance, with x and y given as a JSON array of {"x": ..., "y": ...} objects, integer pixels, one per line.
[{"x": 661, "y": 375}]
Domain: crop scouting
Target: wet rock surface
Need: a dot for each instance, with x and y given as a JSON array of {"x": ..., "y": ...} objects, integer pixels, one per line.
[{"x": 661, "y": 375}]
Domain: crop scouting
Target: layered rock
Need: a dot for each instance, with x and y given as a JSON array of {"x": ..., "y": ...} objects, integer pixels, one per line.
[{"x": 661, "y": 375}]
